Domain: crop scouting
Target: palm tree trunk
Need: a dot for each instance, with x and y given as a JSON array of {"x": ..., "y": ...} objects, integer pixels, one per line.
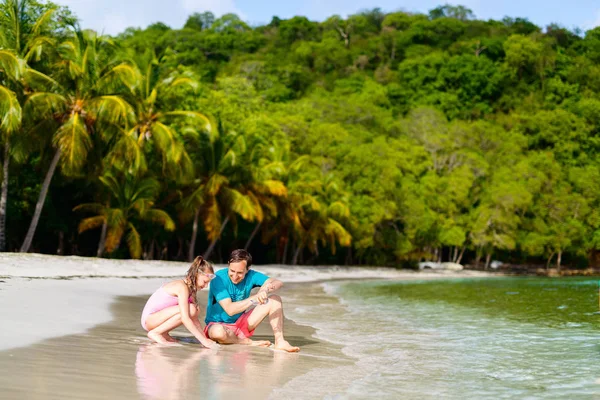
[
  {"x": 102, "y": 240},
  {"x": 192, "y": 249},
  {"x": 4, "y": 196},
  {"x": 488, "y": 258},
  {"x": 285, "y": 249},
  {"x": 296, "y": 255},
  {"x": 179, "y": 255},
  {"x": 254, "y": 232},
  {"x": 549, "y": 259},
  {"x": 214, "y": 242},
  {"x": 460, "y": 256},
  {"x": 40, "y": 203}
]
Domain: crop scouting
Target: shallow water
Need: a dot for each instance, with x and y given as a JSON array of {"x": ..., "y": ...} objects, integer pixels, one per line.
[{"x": 473, "y": 338}]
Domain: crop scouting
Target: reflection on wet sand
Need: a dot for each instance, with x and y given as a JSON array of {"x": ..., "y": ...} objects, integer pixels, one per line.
[{"x": 235, "y": 371}]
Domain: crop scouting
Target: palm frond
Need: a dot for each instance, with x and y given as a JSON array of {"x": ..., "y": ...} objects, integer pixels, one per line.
[
  {"x": 112, "y": 184},
  {"x": 10, "y": 64},
  {"x": 159, "y": 217},
  {"x": 74, "y": 142},
  {"x": 36, "y": 79},
  {"x": 10, "y": 109},
  {"x": 183, "y": 81},
  {"x": 36, "y": 47},
  {"x": 43, "y": 105},
  {"x": 274, "y": 187},
  {"x": 134, "y": 242},
  {"x": 113, "y": 109},
  {"x": 190, "y": 114},
  {"x": 190, "y": 203},
  {"x": 42, "y": 21},
  {"x": 338, "y": 210},
  {"x": 164, "y": 136},
  {"x": 240, "y": 204},
  {"x": 212, "y": 219},
  {"x": 122, "y": 74},
  {"x": 126, "y": 155},
  {"x": 95, "y": 208},
  {"x": 91, "y": 223},
  {"x": 215, "y": 183},
  {"x": 114, "y": 235},
  {"x": 336, "y": 232}
]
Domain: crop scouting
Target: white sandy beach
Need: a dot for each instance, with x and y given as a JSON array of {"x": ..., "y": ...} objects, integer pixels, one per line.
[{"x": 79, "y": 317}]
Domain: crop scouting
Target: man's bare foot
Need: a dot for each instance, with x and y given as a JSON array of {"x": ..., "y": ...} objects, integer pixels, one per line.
[
  {"x": 285, "y": 346},
  {"x": 256, "y": 343}
]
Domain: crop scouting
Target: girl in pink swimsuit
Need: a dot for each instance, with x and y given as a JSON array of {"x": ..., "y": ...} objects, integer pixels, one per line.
[{"x": 175, "y": 303}]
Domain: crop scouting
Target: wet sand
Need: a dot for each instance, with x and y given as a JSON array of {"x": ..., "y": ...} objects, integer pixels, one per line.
[{"x": 115, "y": 360}]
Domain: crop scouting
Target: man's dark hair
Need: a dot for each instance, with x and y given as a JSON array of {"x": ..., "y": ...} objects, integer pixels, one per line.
[{"x": 240, "y": 255}]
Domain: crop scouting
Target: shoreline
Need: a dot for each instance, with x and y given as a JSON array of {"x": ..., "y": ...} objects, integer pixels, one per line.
[
  {"x": 43, "y": 266},
  {"x": 79, "y": 284}
]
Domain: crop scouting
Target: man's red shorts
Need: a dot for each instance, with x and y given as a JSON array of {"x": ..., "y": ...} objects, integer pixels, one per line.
[{"x": 240, "y": 328}]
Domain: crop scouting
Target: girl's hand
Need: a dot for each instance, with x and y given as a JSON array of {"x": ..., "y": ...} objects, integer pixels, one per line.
[{"x": 211, "y": 344}]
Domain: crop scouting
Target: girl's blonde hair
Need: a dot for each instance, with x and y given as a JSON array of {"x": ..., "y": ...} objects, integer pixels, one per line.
[{"x": 199, "y": 265}]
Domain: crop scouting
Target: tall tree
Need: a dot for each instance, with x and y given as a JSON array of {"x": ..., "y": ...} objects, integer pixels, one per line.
[
  {"x": 25, "y": 27},
  {"x": 82, "y": 102},
  {"x": 132, "y": 201}
]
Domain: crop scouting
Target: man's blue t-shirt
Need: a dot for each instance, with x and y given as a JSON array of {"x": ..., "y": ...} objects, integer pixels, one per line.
[{"x": 222, "y": 288}]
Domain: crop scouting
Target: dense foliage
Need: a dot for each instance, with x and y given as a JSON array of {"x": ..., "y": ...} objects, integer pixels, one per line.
[{"x": 377, "y": 139}]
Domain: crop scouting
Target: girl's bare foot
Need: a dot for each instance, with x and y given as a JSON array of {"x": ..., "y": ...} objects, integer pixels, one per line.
[
  {"x": 285, "y": 346},
  {"x": 160, "y": 339},
  {"x": 169, "y": 338}
]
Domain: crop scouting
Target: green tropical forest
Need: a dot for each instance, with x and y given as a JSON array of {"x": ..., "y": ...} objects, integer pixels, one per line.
[{"x": 380, "y": 139}]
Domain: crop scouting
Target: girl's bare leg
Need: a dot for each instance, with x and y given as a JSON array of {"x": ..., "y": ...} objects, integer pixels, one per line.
[{"x": 162, "y": 322}]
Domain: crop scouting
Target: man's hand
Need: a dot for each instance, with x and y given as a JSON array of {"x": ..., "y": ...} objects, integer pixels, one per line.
[{"x": 262, "y": 296}]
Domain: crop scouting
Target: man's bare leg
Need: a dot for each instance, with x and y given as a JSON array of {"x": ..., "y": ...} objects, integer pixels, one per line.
[
  {"x": 223, "y": 335},
  {"x": 274, "y": 309}
]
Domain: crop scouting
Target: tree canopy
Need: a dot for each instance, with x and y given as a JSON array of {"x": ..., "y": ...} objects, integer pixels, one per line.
[{"x": 380, "y": 138}]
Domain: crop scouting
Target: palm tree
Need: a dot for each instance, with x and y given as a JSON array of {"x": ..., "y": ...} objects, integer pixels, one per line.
[
  {"x": 11, "y": 121},
  {"x": 217, "y": 195},
  {"x": 22, "y": 37},
  {"x": 267, "y": 166},
  {"x": 131, "y": 201},
  {"x": 314, "y": 211},
  {"x": 321, "y": 220},
  {"x": 82, "y": 102},
  {"x": 148, "y": 95}
]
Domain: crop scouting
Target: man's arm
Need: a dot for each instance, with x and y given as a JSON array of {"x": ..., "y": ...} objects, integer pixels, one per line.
[
  {"x": 267, "y": 288},
  {"x": 271, "y": 285},
  {"x": 233, "y": 308}
]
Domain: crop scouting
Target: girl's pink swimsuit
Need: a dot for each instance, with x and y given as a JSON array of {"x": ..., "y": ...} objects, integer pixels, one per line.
[{"x": 159, "y": 301}]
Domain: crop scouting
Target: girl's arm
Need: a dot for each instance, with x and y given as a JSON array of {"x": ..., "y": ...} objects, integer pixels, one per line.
[{"x": 192, "y": 324}]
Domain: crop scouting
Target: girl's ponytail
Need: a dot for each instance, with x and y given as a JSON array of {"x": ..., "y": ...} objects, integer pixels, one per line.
[{"x": 198, "y": 265}]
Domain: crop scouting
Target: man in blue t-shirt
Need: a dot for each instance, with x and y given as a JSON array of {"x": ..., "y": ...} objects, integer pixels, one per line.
[{"x": 232, "y": 313}]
